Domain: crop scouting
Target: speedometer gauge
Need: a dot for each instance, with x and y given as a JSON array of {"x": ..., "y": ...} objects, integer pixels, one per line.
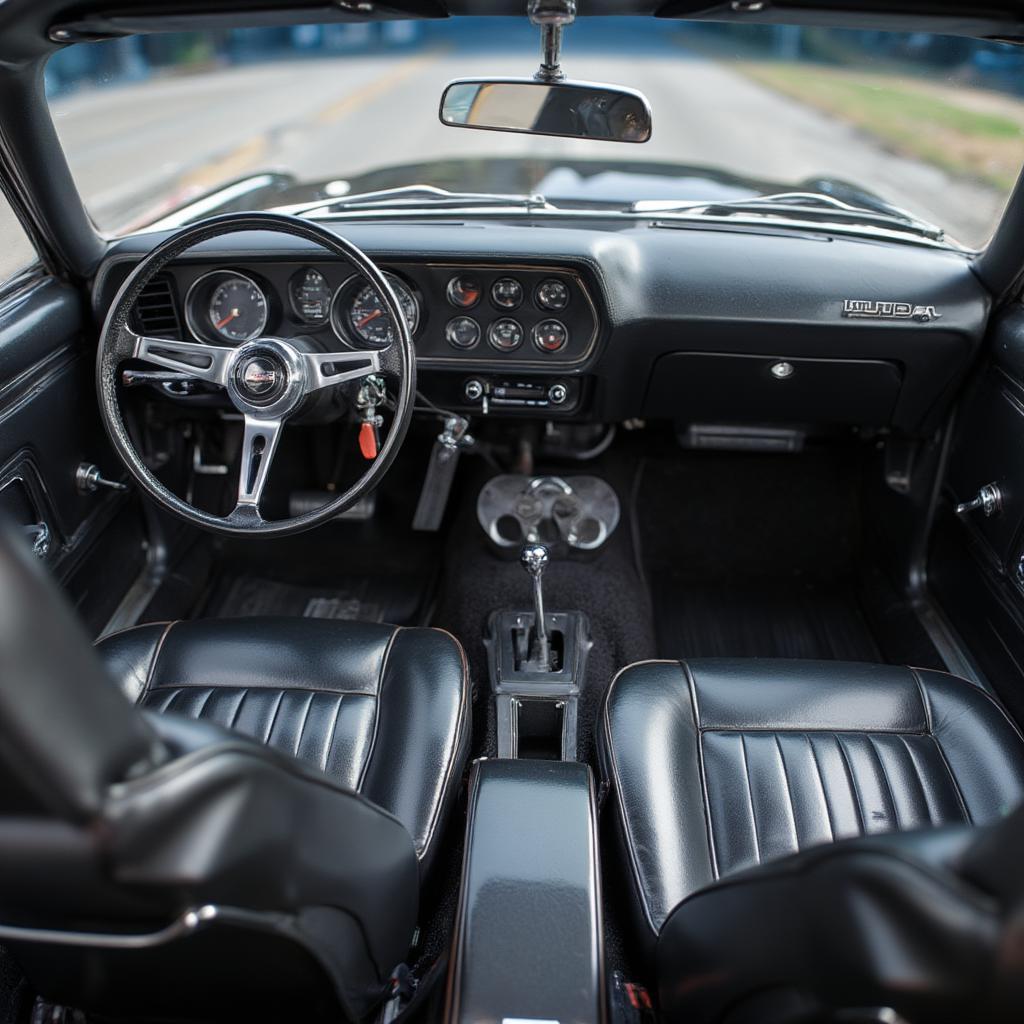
[
  {"x": 360, "y": 313},
  {"x": 238, "y": 309}
]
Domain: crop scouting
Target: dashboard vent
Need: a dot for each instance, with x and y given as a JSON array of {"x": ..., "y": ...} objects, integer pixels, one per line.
[{"x": 156, "y": 309}]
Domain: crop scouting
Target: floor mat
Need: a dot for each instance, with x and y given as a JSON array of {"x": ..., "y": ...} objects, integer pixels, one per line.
[
  {"x": 797, "y": 619},
  {"x": 363, "y": 599}
]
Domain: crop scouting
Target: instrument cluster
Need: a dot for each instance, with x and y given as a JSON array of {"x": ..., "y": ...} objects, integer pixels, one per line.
[{"x": 525, "y": 315}]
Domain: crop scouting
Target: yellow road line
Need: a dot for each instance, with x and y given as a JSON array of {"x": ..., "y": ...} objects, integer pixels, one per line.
[
  {"x": 233, "y": 164},
  {"x": 378, "y": 87}
]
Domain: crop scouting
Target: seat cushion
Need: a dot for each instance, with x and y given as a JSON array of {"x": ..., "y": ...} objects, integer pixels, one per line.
[
  {"x": 721, "y": 765},
  {"x": 379, "y": 709}
]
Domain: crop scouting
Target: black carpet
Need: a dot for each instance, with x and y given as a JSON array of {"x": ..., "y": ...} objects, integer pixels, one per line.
[
  {"x": 755, "y": 555},
  {"x": 774, "y": 619}
]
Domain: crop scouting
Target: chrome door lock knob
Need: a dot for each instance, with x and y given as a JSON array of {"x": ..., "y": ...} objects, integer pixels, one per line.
[{"x": 989, "y": 499}]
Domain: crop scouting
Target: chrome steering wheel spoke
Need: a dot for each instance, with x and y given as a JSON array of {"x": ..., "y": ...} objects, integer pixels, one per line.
[
  {"x": 210, "y": 363},
  {"x": 325, "y": 369},
  {"x": 259, "y": 443}
]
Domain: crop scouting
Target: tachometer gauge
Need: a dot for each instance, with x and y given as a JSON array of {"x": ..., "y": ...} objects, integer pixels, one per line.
[
  {"x": 361, "y": 316},
  {"x": 238, "y": 309},
  {"x": 311, "y": 296}
]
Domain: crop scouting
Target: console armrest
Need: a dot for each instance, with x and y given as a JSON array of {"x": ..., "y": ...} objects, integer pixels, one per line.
[{"x": 528, "y": 942}]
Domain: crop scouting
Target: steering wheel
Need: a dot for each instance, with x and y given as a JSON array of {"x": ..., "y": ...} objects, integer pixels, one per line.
[{"x": 266, "y": 379}]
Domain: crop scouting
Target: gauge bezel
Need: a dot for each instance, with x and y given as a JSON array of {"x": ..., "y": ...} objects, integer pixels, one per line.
[
  {"x": 293, "y": 306},
  {"x": 535, "y": 330},
  {"x": 347, "y": 290},
  {"x": 499, "y": 306},
  {"x": 458, "y": 305},
  {"x": 479, "y": 332},
  {"x": 552, "y": 309},
  {"x": 503, "y": 319},
  {"x": 208, "y": 333}
]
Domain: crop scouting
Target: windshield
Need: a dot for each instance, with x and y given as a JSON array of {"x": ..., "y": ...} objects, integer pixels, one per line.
[{"x": 932, "y": 125}]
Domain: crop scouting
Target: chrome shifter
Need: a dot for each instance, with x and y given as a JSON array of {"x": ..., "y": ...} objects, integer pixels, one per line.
[{"x": 534, "y": 559}]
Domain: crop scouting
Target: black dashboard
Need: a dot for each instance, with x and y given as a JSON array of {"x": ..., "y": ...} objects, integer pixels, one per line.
[{"x": 600, "y": 321}]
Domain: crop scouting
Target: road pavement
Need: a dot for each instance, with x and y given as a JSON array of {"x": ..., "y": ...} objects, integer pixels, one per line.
[{"x": 176, "y": 137}]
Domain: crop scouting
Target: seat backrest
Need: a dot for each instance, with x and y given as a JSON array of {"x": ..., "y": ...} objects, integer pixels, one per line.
[
  {"x": 66, "y": 731},
  {"x": 155, "y": 867},
  {"x": 929, "y": 924}
]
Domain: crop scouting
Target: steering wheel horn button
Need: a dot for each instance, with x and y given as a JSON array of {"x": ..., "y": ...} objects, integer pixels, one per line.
[{"x": 260, "y": 377}]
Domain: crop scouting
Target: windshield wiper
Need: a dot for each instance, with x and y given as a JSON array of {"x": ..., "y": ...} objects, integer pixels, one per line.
[
  {"x": 415, "y": 197},
  {"x": 802, "y": 206}
]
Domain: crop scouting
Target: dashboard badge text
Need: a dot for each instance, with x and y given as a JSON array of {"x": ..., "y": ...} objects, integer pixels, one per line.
[{"x": 870, "y": 309}]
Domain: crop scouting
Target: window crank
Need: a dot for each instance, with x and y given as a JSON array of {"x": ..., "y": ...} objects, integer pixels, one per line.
[
  {"x": 89, "y": 479},
  {"x": 989, "y": 499}
]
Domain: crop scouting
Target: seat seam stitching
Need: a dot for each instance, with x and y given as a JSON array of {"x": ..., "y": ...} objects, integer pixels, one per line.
[
  {"x": 885, "y": 779},
  {"x": 789, "y": 791},
  {"x": 273, "y": 718},
  {"x": 920, "y": 780},
  {"x": 821, "y": 786},
  {"x": 708, "y": 821},
  {"x": 290, "y": 689},
  {"x": 938, "y": 746},
  {"x": 463, "y": 702},
  {"x": 303, "y": 724},
  {"x": 157, "y": 651},
  {"x": 329, "y": 735},
  {"x": 848, "y": 768},
  {"x": 750, "y": 797},
  {"x": 381, "y": 672},
  {"x": 623, "y": 817}
]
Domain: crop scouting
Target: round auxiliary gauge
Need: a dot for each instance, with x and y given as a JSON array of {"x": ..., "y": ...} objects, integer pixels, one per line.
[
  {"x": 550, "y": 335},
  {"x": 310, "y": 295},
  {"x": 552, "y": 294},
  {"x": 238, "y": 309},
  {"x": 462, "y": 332},
  {"x": 464, "y": 291},
  {"x": 506, "y": 293},
  {"x": 505, "y": 335}
]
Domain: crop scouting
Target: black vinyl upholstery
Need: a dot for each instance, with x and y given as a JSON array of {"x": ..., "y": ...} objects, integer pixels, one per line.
[
  {"x": 764, "y": 810},
  {"x": 379, "y": 709},
  {"x": 157, "y": 867}
]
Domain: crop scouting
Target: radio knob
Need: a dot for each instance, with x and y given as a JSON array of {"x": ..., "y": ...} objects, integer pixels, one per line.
[
  {"x": 557, "y": 394},
  {"x": 473, "y": 390}
]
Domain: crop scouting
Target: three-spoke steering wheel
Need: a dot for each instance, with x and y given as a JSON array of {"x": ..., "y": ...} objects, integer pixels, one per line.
[{"x": 266, "y": 379}]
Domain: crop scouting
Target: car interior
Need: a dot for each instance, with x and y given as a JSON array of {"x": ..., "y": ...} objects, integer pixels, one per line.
[{"x": 424, "y": 601}]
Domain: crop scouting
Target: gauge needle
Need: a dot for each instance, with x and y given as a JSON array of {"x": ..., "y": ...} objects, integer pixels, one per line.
[
  {"x": 223, "y": 323},
  {"x": 369, "y": 317}
]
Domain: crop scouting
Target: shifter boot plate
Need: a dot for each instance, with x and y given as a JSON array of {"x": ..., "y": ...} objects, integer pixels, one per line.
[{"x": 579, "y": 511}]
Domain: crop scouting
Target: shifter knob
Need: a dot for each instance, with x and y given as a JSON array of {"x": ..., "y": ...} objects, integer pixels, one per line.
[{"x": 534, "y": 558}]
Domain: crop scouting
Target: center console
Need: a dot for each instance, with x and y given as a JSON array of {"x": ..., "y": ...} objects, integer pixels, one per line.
[{"x": 528, "y": 943}]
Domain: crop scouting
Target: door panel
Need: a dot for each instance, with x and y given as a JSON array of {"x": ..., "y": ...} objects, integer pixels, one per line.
[
  {"x": 975, "y": 561},
  {"x": 49, "y": 425}
]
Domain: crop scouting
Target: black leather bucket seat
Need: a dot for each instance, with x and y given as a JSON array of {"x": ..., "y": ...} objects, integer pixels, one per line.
[
  {"x": 161, "y": 866},
  {"x": 806, "y": 837}
]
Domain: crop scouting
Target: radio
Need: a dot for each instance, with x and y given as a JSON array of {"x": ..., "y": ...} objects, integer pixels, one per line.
[{"x": 517, "y": 394}]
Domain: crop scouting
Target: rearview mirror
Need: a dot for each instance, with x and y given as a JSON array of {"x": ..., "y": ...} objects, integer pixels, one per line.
[{"x": 574, "y": 110}]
